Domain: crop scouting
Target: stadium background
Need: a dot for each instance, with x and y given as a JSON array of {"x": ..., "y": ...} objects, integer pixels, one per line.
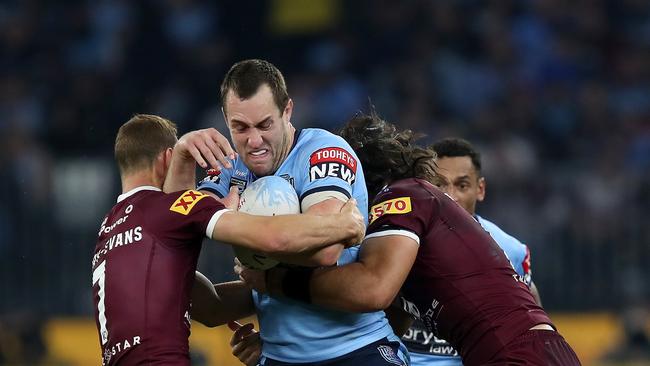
[{"x": 555, "y": 94}]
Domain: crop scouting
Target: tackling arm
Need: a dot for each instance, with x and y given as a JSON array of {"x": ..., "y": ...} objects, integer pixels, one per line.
[
  {"x": 327, "y": 256},
  {"x": 214, "y": 305},
  {"x": 368, "y": 285},
  {"x": 278, "y": 235}
]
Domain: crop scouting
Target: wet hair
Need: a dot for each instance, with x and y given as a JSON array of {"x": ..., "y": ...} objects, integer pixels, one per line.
[
  {"x": 386, "y": 153},
  {"x": 245, "y": 77},
  {"x": 453, "y": 147},
  {"x": 141, "y": 139}
]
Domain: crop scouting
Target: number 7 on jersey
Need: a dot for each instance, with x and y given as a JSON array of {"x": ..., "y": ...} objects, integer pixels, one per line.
[{"x": 99, "y": 277}]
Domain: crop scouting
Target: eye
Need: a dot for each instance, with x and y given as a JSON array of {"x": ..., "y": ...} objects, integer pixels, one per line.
[
  {"x": 265, "y": 125},
  {"x": 239, "y": 128}
]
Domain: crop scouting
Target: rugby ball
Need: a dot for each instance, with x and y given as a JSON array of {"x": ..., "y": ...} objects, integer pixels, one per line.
[{"x": 267, "y": 196}]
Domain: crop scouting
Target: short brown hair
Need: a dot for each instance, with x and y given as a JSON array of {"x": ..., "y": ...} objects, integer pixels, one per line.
[
  {"x": 245, "y": 77},
  {"x": 141, "y": 139}
]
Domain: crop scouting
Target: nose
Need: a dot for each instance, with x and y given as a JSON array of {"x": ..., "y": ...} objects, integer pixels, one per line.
[{"x": 254, "y": 138}]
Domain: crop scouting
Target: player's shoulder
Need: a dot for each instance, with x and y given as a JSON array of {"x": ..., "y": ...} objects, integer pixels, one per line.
[
  {"x": 498, "y": 234},
  {"x": 316, "y": 137},
  {"x": 410, "y": 187},
  {"x": 179, "y": 202}
]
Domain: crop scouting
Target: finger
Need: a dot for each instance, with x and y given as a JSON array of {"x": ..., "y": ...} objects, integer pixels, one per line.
[
  {"x": 243, "y": 332},
  {"x": 219, "y": 146},
  {"x": 233, "y": 194},
  {"x": 249, "y": 355},
  {"x": 246, "y": 330},
  {"x": 223, "y": 144},
  {"x": 212, "y": 153},
  {"x": 246, "y": 347},
  {"x": 234, "y": 325},
  {"x": 349, "y": 206},
  {"x": 196, "y": 154},
  {"x": 231, "y": 201},
  {"x": 252, "y": 361}
]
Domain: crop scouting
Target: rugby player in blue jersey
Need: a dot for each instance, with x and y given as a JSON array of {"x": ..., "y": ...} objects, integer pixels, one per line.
[
  {"x": 325, "y": 172},
  {"x": 427, "y": 255},
  {"x": 460, "y": 164}
]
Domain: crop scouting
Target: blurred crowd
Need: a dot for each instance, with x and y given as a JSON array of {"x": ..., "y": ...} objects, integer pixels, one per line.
[{"x": 555, "y": 94}]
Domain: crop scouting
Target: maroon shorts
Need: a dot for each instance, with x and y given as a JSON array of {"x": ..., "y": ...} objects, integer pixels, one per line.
[{"x": 536, "y": 347}]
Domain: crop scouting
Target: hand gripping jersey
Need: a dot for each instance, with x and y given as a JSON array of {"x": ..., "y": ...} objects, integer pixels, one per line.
[
  {"x": 320, "y": 165},
  {"x": 143, "y": 272},
  {"x": 425, "y": 348},
  {"x": 462, "y": 286}
]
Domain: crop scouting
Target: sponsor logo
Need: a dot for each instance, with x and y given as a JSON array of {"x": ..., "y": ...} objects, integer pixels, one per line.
[
  {"x": 107, "y": 229},
  {"x": 420, "y": 340},
  {"x": 184, "y": 204},
  {"x": 240, "y": 183},
  {"x": 240, "y": 173},
  {"x": 289, "y": 179},
  {"x": 118, "y": 347},
  {"x": 395, "y": 206},
  {"x": 410, "y": 308},
  {"x": 213, "y": 176},
  {"x": 332, "y": 162},
  {"x": 389, "y": 355}
]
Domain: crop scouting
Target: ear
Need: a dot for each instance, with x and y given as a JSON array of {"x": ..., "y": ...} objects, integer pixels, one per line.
[
  {"x": 286, "y": 114},
  {"x": 481, "y": 189},
  {"x": 225, "y": 119},
  {"x": 167, "y": 157}
]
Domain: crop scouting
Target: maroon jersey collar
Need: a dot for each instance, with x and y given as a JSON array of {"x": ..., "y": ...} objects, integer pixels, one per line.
[{"x": 135, "y": 190}]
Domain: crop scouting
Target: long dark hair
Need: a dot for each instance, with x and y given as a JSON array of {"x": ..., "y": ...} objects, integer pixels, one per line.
[{"x": 386, "y": 153}]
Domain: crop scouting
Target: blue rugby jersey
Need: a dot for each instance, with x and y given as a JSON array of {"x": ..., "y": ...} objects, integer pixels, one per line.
[{"x": 320, "y": 165}]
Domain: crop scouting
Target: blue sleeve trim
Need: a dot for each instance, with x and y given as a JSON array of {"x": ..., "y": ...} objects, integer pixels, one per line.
[
  {"x": 205, "y": 188},
  {"x": 325, "y": 189}
]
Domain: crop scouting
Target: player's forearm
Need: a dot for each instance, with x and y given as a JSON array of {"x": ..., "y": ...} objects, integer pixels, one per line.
[
  {"x": 321, "y": 257},
  {"x": 221, "y": 303},
  {"x": 284, "y": 234},
  {"x": 236, "y": 301},
  {"x": 310, "y": 234},
  {"x": 181, "y": 174},
  {"x": 333, "y": 288}
]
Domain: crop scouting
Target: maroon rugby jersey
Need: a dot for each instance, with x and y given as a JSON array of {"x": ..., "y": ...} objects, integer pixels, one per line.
[
  {"x": 143, "y": 272},
  {"x": 462, "y": 285}
]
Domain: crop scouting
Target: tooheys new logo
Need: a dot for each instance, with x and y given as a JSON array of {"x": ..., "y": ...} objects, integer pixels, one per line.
[{"x": 332, "y": 162}]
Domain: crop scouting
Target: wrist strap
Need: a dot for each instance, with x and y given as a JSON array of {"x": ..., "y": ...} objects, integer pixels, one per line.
[{"x": 295, "y": 284}]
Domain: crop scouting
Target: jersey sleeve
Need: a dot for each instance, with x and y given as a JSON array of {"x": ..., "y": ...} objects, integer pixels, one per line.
[
  {"x": 193, "y": 214},
  {"x": 329, "y": 170},
  {"x": 400, "y": 212},
  {"x": 216, "y": 182}
]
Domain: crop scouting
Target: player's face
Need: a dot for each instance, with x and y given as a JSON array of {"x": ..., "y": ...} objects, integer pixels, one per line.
[
  {"x": 261, "y": 132},
  {"x": 462, "y": 181}
]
